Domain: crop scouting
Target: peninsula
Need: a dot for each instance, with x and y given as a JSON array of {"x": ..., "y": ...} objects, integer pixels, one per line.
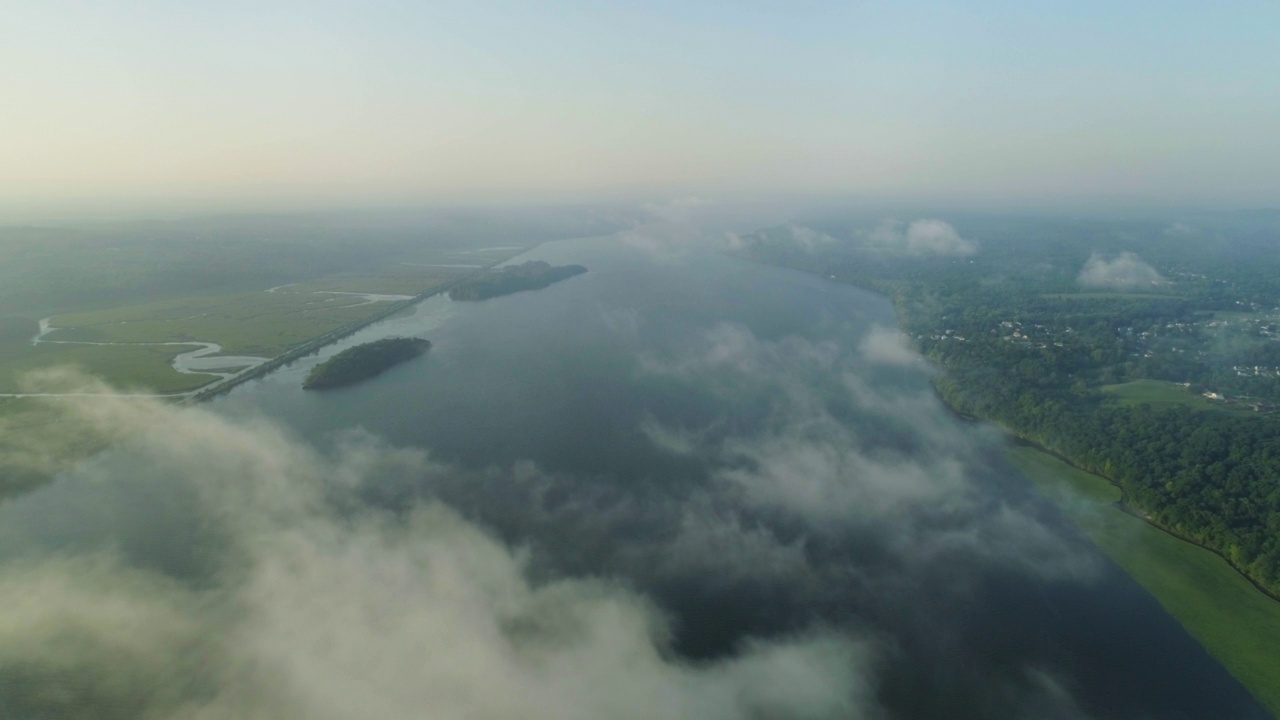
[
  {"x": 363, "y": 361},
  {"x": 532, "y": 275}
]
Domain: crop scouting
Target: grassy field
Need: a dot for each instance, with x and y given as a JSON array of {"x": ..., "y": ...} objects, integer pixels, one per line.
[
  {"x": 1235, "y": 622},
  {"x": 261, "y": 323},
  {"x": 266, "y": 324},
  {"x": 1109, "y": 296},
  {"x": 1162, "y": 394},
  {"x": 405, "y": 278},
  {"x": 130, "y": 367},
  {"x": 1156, "y": 393}
]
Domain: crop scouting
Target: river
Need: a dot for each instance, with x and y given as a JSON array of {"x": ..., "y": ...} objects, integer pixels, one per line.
[{"x": 669, "y": 388}]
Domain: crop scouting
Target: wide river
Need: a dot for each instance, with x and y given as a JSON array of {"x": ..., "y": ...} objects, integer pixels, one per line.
[{"x": 778, "y": 415}]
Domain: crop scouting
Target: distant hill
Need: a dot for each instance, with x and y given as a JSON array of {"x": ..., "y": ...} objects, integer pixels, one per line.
[
  {"x": 363, "y": 361},
  {"x": 532, "y": 275}
]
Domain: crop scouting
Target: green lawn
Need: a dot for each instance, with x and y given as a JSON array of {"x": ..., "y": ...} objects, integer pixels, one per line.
[
  {"x": 1235, "y": 622},
  {"x": 1162, "y": 394},
  {"x": 1155, "y": 392},
  {"x": 1109, "y": 296}
]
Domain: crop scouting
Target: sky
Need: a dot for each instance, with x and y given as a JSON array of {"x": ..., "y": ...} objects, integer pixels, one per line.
[{"x": 154, "y": 104}]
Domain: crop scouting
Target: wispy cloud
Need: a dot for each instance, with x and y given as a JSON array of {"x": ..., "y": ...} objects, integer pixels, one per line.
[
  {"x": 919, "y": 238},
  {"x": 811, "y": 460}
]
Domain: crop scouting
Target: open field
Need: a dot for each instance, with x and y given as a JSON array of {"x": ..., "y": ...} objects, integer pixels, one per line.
[
  {"x": 1109, "y": 296},
  {"x": 1235, "y": 622},
  {"x": 1156, "y": 393},
  {"x": 419, "y": 274},
  {"x": 265, "y": 324},
  {"x": 260, "y": 324},
  {"x": 129, "y": 367},
  {"x": 1234, "y": 315},
  {"x": 1162, "y": 394},
  {"x": 408, "y": 282}
]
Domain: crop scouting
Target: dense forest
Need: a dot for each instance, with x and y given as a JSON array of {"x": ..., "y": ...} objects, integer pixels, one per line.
[
  {"x": 363, "y": 361},
  {"x": 1166, "y": 384},
  {"x": 531, "y": 275}
]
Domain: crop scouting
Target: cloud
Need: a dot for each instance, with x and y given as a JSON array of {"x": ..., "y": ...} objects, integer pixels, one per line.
[
  {"x": 312, "y": 605},
  {"x": 372, "y": 581},
  {"x": 1125, "y": 271},
  {"x": 807, "y": 238},
  {"x": 919, "y": 238},
  {"x": 889, "y": 347},
  {"x": 798, "y": 238},
  {"x": 670, "y": 230},
  {"x": 677, "y": 209},
  {"x": 840, "y": 450}
]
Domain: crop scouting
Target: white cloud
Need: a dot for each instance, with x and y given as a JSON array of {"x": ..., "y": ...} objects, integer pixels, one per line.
[
  {"x": 1125, "y": 271},
  {"x": 887, "y": 346},
  {"x": 919, "y": 238},
  {"x": 311, "y": 613},
  {"x": 817, "y": 465}
]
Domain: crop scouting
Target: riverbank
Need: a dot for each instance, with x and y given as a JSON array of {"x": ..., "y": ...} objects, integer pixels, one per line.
[
  {"x": 1236, "y": 623},
  {"x": 1232, "y": 618}
]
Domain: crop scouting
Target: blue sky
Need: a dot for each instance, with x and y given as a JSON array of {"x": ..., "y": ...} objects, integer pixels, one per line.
[{"x": 295, "y": 103}]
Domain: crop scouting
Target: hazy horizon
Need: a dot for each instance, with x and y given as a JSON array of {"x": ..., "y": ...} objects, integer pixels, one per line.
[{"x": 146, "y": 108}]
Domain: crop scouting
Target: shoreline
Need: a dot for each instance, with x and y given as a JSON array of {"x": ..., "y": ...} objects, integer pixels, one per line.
[
  {"x": 1234, "y": 619},
  {"x": 1016, "y": 437}
]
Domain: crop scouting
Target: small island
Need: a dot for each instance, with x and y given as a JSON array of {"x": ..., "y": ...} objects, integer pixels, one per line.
[
  {"x": 533, "y": 275},
  {"x": 363, "y": 361}
]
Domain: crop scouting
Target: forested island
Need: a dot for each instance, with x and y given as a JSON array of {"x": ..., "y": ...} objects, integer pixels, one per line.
[
  {"x": 1144, "y": 352},
  {"x": 363, "y": 361},
  {"x": 532, "y": 275}
]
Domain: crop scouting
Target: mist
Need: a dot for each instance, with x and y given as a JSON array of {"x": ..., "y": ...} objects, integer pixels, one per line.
[
  {"x": 1125, "y": 271},
  {"x": 294, "y": 602}
]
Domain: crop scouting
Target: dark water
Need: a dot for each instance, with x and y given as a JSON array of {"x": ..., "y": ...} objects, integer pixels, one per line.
[{"x": 569, "y": 383}]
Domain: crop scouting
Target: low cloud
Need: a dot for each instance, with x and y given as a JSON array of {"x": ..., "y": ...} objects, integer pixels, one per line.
[
  {"x": 677, "y": 209},
  {"x": 375, "y": 582},
  {"x": 793, "y": 237},
  {"x": 919, "y": 238},
  {"x": 1124, "y": 272},
  {"x": 312, "y": 607},
  {"x": 889, "y": 347},
  {"x": 841, "y": 450}
]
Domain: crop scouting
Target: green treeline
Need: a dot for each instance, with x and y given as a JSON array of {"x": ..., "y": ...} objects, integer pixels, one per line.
[
  {"x": 531, "y": 275},
  {"x": 1209, "y": 480},
  {"x": 363, "y": 361},
  {"x": 1022, "y": 343}
]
